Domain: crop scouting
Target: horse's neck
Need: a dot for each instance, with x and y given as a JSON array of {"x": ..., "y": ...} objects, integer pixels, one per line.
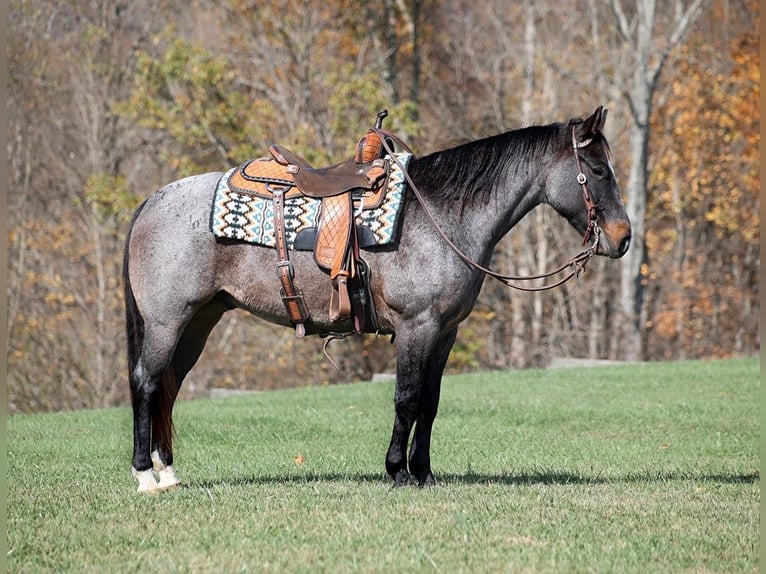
[
  {"x": 513, "y": 184},
  {"x": 478, "y": 228},
  {"x": 483, "y": 224},
  {"x": 515, "y": 202}
]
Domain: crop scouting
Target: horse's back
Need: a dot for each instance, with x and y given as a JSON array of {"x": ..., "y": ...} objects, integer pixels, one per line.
[{"x": 189, "y": 198}]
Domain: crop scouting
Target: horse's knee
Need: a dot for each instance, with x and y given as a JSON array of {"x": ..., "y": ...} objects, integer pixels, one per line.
[{"x": 406, "y": 406}]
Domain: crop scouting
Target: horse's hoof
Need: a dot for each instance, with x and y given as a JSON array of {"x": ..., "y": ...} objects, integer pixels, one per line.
[
  {"x": 402, "y": 478},
  {"x": 147, "y": 484},
  {"x": 168, "y": 480},
  {"x": 168, "y": 485},
  {"x": 428, "y": 481}
]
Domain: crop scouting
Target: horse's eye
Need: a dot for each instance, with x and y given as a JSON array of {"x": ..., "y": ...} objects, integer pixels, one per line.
[{"x": 599, "y": 171}]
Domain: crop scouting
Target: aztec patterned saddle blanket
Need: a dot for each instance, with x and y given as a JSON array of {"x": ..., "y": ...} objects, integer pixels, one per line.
[{"x": 239, "y": 212}]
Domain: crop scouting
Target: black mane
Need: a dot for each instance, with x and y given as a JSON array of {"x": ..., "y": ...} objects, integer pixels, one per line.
[{"x": 468, "y": 172}]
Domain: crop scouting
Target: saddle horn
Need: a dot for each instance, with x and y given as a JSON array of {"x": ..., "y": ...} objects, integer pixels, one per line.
[{"x": 381, "y": 116}]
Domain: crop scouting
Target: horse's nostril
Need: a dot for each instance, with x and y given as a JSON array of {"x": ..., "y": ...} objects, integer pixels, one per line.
[{"x": 624, "y": 244}]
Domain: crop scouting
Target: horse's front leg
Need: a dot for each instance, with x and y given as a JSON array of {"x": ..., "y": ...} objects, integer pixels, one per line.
[
  {"x": 420, "y": 451},
  {"x": 414, "y": 350}
]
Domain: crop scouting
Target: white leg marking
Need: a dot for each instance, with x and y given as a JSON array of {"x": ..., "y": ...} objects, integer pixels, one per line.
[
  {"x": 166, "y": 474},
  {"x": 156, "y": 461},
  {"x": 146, "y": 480},
  {"x": 168, "y": 478}
]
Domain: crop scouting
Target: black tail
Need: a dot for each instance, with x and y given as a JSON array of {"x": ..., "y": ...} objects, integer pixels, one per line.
[
  {"x": 134, "y": 322},
  {"x": 162, "y": 421}
]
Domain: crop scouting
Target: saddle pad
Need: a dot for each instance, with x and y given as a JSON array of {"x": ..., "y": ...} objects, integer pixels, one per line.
[{"x": 251, "y": 219}]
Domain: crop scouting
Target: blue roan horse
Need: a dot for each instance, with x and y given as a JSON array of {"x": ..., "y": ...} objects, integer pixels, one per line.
[{"x": 179, "y": 279}]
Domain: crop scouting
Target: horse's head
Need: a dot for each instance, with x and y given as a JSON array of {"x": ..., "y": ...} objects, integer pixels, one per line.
[{"x": 582, "y": 187}]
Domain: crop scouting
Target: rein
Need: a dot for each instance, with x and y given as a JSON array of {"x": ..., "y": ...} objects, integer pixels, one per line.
[{"x": 576, "y": 264}]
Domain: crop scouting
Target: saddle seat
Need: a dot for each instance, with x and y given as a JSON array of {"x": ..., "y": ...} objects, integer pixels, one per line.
[{"x": 332, "y": 180}]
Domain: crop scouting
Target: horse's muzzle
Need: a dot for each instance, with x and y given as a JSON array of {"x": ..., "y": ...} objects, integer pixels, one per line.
[{"x": 615, "y": 239}]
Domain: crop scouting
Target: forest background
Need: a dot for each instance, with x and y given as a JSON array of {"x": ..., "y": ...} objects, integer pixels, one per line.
[{"x": 109, "y": 100}]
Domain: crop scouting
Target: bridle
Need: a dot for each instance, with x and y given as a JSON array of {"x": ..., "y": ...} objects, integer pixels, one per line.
[
  {"x": 590, "y": 204},
  {"x": 575, "y": 265}
]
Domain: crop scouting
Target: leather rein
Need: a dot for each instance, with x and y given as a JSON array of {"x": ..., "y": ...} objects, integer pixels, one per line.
[{"x": 575, "y": 265}]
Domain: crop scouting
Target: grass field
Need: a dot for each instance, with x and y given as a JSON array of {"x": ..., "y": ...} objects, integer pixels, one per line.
[{"x": 640, "y": 468}]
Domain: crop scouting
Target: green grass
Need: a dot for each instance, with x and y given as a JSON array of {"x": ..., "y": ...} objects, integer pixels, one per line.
[{"x": 642, "y": 468}]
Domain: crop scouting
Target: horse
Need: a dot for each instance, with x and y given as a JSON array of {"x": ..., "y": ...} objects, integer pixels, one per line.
[{"x": 179, "y": 279}]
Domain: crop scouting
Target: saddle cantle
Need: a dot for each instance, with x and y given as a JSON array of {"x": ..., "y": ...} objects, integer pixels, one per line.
[{"x": 343, "y": 189}]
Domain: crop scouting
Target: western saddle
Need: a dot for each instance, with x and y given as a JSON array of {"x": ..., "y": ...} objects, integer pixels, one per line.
[{"x": 342, "y": 188}]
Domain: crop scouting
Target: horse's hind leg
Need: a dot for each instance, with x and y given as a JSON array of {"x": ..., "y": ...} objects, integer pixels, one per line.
[
  {"x": 164, "y": 362},
  {"x": 187, "y": 351},
  {"x": 151, "y": 384}
]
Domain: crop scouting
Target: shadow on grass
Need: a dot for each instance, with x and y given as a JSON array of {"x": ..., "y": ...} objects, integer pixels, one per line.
[
  {"x": 545, "y": 477},
  {"x": 564, "y": 478}
]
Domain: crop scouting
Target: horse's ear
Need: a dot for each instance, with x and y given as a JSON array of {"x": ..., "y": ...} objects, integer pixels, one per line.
[
  {"x": 594, "y": 124},
  {"x": 602, "y": 118}
]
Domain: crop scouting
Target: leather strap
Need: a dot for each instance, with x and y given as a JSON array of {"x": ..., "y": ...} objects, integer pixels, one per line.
[
  {"x": 359, "y": 286},
  {"x": 292, "y": 297},
  {"x": 340, "y": 302},
  {"x": 590, "y": 204}
]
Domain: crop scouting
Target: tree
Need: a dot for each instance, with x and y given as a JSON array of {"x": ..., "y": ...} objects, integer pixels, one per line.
[
  {"x": 649, "y": 34},
  {"x": 65, "y": 245},
  {"x": 704, "y": 234}
]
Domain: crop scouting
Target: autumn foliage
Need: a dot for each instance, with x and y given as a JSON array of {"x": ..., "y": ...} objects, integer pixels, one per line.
[
  {"x": 110, "y": 100},
  {"x": 704, "y": 231}
]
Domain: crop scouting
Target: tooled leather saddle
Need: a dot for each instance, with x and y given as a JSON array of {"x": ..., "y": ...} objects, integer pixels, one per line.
[{"x": 342, "y": 188}]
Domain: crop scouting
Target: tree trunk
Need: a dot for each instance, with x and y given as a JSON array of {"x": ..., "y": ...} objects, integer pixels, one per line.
[{"x": 632, "y": 296}]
